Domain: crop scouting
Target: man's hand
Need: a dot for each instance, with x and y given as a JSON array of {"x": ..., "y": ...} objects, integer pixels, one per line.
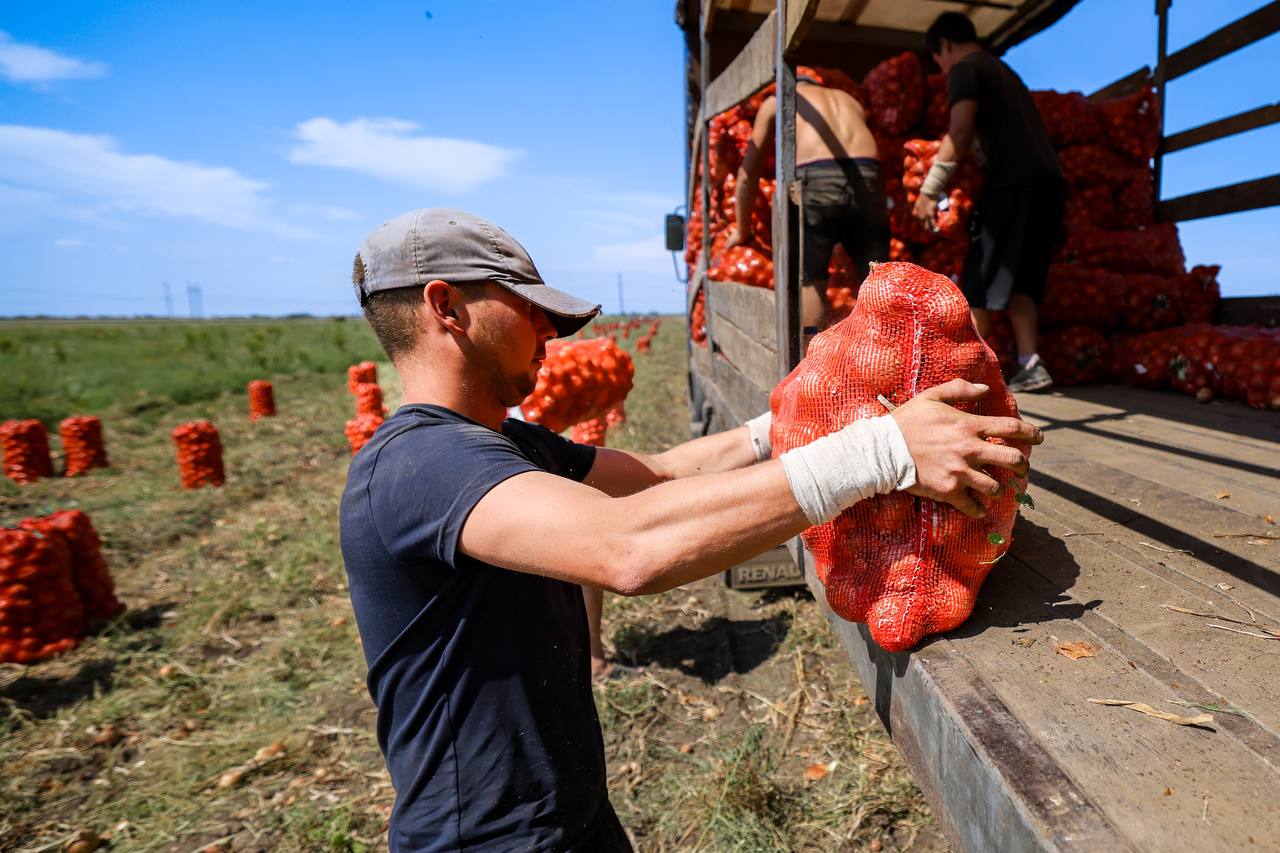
[
  {"x": 949, "y": 446},
  {"x": 926, "y": 210},
  {"x": 737, "y": 237}
]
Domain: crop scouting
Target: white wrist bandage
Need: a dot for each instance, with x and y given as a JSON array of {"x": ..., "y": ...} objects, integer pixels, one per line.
[
  {"x": 935, "y": 183},
  {"x": 864, "y": 459},
  {"x": 758, "y": 430}
]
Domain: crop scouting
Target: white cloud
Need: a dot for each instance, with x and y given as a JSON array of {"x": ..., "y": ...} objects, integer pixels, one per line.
[
  {"x": 649, "y": 255},
  {"x": 326, "y": 211},
  {"x": 67, "y": 243},
  {"x": 80, "y": 165},
  {"x": 386, "y": 148},
  {"x": 29, "y": 63}
]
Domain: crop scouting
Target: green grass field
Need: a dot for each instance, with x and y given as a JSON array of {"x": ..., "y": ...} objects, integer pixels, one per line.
[{"x": 239, "y": 634}]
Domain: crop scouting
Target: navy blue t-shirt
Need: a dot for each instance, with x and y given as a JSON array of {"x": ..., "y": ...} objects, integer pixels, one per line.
[{"x": 481, "y": 675}]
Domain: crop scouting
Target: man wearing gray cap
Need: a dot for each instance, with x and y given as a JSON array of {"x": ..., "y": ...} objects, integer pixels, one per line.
[{"x": 466, "y": 535}]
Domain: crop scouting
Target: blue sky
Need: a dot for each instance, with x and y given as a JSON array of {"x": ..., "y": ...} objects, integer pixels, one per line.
[{"x": 250, "y": 147}]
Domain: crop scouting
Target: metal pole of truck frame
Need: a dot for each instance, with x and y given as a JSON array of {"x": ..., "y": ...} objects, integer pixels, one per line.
[{"x": 786, "y": 212}]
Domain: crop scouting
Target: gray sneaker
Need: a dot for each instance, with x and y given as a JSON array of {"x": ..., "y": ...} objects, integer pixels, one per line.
[{"x": 1033, "y": 377}]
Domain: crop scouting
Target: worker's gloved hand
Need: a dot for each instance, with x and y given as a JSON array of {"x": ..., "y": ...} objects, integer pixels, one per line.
[
  {"x": 866, "y": 458},
  {"x": 949, "y": 447},
  {"x": 758, "y": 431},
  {"x": 935, "y": 183}
]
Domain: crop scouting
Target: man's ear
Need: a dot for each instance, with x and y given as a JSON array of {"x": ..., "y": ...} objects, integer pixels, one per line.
[{"x": 445, "y": 305}]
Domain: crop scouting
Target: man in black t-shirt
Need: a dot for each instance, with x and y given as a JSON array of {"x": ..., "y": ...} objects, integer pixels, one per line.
[
  {"x": 466, "y": 536},
  {"x": 1018, "y": 215}
]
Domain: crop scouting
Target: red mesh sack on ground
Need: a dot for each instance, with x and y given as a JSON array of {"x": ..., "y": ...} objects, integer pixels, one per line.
[
  {"x": 1155, "y": 249},
  {"x": 1078, "y": 355},
  {"x": 369, "y": 400},
  {"x": 907, "y": 567},
  {"x": 41, "y": 614},
  {"x": 360, "y": 429},
  {"x": 591, "y": 432},
  {"x": 26, "y": 450},
  {"x": 199, "y": 454},
  {"x": 643, "y": 343},
  {"x": 358, "y": 374},
  {"x": 1200, "y": 293},
  {"x": 1132, "y": 124},
  {"x": 89, "y": 572},
  {"x": 262, "y": 400},
  {"x": 1069, "y": 118},
  {"x": 895, "y": 90},
  {"x": 579, "y": 380},
  {"x": 82, "y": 444}
]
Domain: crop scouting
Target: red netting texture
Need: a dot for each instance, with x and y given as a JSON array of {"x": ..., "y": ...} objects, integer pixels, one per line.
[
  {"x": 906, "y": 566},
  {"x": 199, "y": 454},
  {"x": 82, "y": 444},
  {"x": 365, "y": 371},
  {"x": 262, "y": 400},
  {"x": 26, "y": 450},
  {"x": 89, "y": 572},
  {"x": 360, "y": 429}
]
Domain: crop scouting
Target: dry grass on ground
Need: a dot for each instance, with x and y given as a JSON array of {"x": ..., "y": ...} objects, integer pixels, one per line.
[{"x": 239, "y": 637}]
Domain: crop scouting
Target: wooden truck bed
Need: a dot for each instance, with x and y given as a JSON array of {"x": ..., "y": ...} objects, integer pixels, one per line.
[{"x": 1145, "y": 501}]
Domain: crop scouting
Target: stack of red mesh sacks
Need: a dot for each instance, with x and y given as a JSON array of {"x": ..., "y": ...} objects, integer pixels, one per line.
[
  {"x": 908, "y": 567},
  {"x": 82, "y": 444},
  {"x": 53, "y": 584},
  {"x": 26, "y": 450},
  {"x": 579, "y": 381},
  {"x": 942, "y": 250},
  {"x": 370, "y": 411},
  {"x": 199, "y": 454}
]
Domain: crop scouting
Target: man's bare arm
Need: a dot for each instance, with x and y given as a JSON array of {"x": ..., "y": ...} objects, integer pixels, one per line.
[
  {"x": 959, "y": 137},
  {"x": 746, "y": 185},
  {"x": 679, "y": 531},
  {"x": 622, "y": 472}
]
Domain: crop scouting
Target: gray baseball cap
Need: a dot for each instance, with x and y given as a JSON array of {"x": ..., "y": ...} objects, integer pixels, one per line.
[{"x": 459, "y": 248}]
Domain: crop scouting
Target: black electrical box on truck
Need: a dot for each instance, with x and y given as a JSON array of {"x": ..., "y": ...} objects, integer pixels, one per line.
[{"x": 1152, "y": 540}]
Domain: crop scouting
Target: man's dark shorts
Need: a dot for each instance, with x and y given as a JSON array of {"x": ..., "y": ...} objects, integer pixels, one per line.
[
  {"x": 843, "y": 202},
  {"x": 1011, "y": 239}
]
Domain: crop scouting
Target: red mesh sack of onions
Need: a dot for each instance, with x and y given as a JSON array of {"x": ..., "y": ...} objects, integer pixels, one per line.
[
  {"x": 895, "y": 90},
  {"x": 1078, "y": 355},
  {"x": 364, "y": 372},
  {"x": 906, "y": 566},
  {"x": 953, "y": 211},
  {"x": 41, "y": 614},
  {"x": 369, "y": 399},
  {"x": 262, "y": 400},
  {"x": 1200, "y": 293},
  {"x": 26, "y": 450},
  {"x": 1076, "y": 296},
  {"x": 199, "y": 454},
  {"x": 1150, "y": 302},
  {"x": 591, "y": 432},
  {"x": 82, "y": 444},
  {"x": 746, "y": 265},
  {"x": 937, "y": 112},
  {"x": 1132, "y": 124},
  {"x": 89, "y": 572},
  {"x": 360, "y": 429},
  {"x": 579, "y": 380},
  {"x": 698, "y": 320},
  {"x": 1069, "y": 118},
  {"x": 1154, "y": 249}
]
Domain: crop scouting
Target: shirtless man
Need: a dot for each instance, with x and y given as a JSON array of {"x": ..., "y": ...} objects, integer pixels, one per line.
[{"x": 842, "y": 188}]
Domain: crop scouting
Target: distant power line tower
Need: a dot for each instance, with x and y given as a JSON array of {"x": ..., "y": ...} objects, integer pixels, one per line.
[
  {"x": 168, "y": 300},
  {"x": 622, "y": 304},
  {"x": 195, "y": 301}
]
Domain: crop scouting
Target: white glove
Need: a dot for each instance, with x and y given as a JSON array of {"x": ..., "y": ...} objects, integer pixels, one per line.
[
  {"x": 758, "y": 430},
  {"x": 866, "y": 458}
]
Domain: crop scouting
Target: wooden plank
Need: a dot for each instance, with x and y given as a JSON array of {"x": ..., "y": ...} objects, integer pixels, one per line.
[
  {"x": 744, "y": 398},
  {"x": 991, "y": 784},
  {"x": 697, "y": 283},
  {"x": 751, "y": 309},
  {"x": 1240, "y": 33},
  {"x": 1243, "y": 310},
  {"x": 750, "y": 71},
  {"x": 751, "y": 357},
  {"x": 708, "y": 16},
  {"x": 800, "y": 15},
  {"x": 1122, "y": 761},
  {"x": 1222, "y": 128},
  {"x": 1126, "y": 85},
  {"x": 1248, "y": 195}
]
